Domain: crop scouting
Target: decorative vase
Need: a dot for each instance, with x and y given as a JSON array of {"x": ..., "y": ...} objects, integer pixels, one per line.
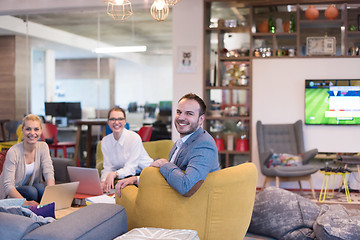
[
  {"x": 331, "y": 12},
  {"x": 312, "y": 13},
  {"x": 286, "y": 26},
  {"x": 263, "y": 27}
]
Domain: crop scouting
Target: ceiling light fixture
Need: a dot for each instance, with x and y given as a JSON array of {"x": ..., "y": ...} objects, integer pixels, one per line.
[
  {"x": 171, "y": 3},
  {"x": 125, "y": 49},
  {"x": 119, "y": 9},
  {"x": 159, "y": 10}
]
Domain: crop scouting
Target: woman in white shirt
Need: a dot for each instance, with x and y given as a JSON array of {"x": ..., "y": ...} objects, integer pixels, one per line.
[
  {"x": 123, "y": 151},
  {"x": 26, "y": 164}
]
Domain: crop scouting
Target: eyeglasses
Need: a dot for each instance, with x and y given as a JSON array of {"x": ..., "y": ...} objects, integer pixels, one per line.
[{"x": 116, "y": 119}]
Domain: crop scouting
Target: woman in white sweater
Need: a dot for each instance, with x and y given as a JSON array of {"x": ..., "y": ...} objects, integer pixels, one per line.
[{"x": 26, "y": 164}]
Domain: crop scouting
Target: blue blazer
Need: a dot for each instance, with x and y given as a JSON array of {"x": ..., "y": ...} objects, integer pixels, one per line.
[{"x": 197, "y": 157}]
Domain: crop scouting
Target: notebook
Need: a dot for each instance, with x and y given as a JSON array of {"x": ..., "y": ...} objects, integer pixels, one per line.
[
  {"x": 89, "y": 181},
  {"x": 62, "y": 194}
]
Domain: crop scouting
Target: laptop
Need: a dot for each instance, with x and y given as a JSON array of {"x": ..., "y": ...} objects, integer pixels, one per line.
[
  {"x": 89, "y": 180},
  {"x": 62, "y": 194}
]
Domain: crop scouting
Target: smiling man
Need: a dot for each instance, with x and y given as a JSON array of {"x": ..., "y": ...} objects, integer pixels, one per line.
[{"x": 193, "y": 156}]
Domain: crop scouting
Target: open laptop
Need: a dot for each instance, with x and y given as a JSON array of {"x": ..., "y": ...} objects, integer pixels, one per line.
[
  {"x": 62, "y": 194},
  {"x": 89, "y": 181}
]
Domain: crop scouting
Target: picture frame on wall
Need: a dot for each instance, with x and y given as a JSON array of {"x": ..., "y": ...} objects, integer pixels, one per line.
[{"x": 187, "y": 59}]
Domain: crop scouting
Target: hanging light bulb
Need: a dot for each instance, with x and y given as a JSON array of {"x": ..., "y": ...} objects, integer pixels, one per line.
[
  {"x": 119, "y": 9},
  {"x": 171, "y": 3},
  {"x": 159, "y": 10}
]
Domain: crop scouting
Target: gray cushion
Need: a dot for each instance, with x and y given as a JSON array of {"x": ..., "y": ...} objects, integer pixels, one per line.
[
  {"x": 336, "y": 222},
  {"x": 282, "y": 214}
]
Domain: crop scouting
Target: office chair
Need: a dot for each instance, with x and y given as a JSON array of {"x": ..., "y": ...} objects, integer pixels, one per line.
[
  {"x": 145, "y": 133},
  {"x": 8, "y": 144},
  {"x": 49, "y": 133}
]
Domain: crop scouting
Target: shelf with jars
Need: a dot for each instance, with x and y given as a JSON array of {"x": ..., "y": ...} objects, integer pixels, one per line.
[
  {"x": 306, "y": 30},
  {"x": 227, "y": 83},
  {"x": 274, "y": 31}
]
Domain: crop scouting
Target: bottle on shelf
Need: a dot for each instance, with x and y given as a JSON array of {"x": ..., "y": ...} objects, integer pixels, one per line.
[
  {"x": 292, "y": 27},
  {"x": 271, "y": 23}
]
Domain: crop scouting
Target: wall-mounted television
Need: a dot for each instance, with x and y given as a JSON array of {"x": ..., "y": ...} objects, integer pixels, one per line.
[{"x": 332, "y": 101}]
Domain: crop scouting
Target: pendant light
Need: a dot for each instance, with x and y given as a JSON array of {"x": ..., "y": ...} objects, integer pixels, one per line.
[
  {"x": 119, "y": 9},
  {"x": 159, "y": 10}
]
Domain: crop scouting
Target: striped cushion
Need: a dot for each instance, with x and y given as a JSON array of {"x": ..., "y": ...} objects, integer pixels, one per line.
[{"x": 159, "y": 233}]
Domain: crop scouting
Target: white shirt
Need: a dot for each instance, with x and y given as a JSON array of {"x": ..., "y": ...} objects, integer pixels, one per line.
[
  {"x": 29, "y": 168},
  {"x": 179, "y": 144},
  {"x": 127, "y": 156}
]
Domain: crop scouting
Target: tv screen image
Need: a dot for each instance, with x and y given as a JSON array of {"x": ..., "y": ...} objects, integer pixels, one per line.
[{"x": 332, "y": 101}]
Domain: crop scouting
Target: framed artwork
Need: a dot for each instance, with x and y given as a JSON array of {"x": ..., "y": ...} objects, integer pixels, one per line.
[{"x": 187, "y": 59}]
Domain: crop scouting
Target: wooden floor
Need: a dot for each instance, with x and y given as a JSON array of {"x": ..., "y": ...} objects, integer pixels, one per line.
[{"x": 338, "y": 198}]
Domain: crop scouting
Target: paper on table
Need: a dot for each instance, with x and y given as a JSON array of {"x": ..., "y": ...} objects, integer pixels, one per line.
[{"x": 101, "y": 199}]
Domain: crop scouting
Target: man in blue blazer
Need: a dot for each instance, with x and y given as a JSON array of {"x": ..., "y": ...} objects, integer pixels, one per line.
[{"x": 195, "y": 154}]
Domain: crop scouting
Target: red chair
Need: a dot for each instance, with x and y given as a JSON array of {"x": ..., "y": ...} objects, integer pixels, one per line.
[
  {"x": 145, "y": 133},
  {"x": 49, "y": 132}
]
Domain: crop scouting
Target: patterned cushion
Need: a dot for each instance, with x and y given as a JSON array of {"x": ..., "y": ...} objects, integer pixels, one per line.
[
  {"x": 159, "y": 233},
  {"x": 284, "y": 159}
]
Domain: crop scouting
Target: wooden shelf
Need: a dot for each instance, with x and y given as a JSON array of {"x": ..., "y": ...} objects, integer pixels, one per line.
[
  {"x": 228, "y": 87},
  {"x": 228, "y": 118}
]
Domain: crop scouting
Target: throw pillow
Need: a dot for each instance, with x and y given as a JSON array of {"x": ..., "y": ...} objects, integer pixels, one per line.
[
  {"x": 47, "y": 210},
  {"x": 284, "y": 159},
  {"x": 159, "y": 233},
  {"x": 284, "y": 215}
]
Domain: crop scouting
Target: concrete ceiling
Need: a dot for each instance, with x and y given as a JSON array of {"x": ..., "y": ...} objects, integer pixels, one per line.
[{"x": 92, "y": 22}]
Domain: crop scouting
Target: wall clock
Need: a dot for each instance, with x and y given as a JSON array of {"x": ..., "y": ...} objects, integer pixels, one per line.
[{"x": 320, "y": 46}]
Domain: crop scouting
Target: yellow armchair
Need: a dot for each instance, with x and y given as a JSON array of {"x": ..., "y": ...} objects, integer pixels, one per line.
[
  {"x": 220, "y": 209},
  {"x": 155, "y": 149}
]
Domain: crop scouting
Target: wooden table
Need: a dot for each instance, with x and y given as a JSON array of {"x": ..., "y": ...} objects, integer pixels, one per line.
[
  {"x": 89, "y": 123},
  {"x": 2, "y": 125}
]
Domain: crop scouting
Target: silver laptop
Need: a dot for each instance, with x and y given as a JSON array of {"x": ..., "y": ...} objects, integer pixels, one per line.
[
  {"x": 89, "y": 180},
  {"x": 62, "y": 194}
]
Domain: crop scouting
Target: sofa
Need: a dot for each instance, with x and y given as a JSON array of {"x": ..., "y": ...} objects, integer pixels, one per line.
[
  {"x": 60, "y": 169},
  {"x": 96, "y": 221},
  {"x": 220, "y": 209}
]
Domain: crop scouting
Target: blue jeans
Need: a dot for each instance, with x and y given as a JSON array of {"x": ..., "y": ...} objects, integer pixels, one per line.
[{"x": 32, "y": 193}]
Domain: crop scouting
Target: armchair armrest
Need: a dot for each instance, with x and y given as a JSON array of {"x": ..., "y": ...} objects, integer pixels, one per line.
[
  {"x": 308, "y": 155},
  {"x": 265, "y": 156},
  {"x": 95, "y": 221}
]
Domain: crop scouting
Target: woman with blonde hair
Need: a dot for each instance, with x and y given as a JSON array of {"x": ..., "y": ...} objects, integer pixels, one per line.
[{"x": 27, "y": 164}]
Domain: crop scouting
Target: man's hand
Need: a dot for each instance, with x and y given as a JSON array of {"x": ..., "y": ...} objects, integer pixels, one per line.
[
  {"x": 109, "y": 182},
  {"x": 158, "y": 163},
  {"x": 123, "y": 183}
]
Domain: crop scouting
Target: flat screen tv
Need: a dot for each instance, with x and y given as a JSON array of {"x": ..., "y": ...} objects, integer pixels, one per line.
[{"x": 332, "y": 101}]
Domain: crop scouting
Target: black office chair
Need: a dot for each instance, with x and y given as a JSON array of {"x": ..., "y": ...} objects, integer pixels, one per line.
[{"x": 284, "y": 138}]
